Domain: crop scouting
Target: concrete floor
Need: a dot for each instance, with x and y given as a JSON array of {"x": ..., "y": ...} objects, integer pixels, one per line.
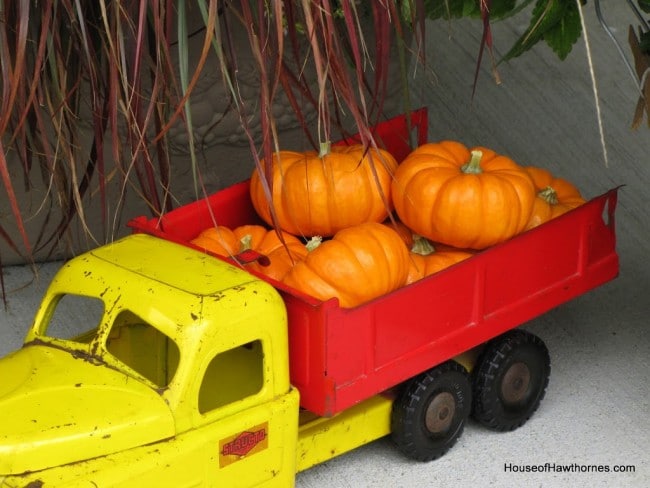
[{"x": 596, "y": 411}]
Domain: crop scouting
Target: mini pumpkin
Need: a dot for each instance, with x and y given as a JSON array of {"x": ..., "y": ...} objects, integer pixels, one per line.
[
  {"x": 282, "y": 252},
  {"x": 219, "y": 240},
  {"x": 358, "y": 264},
  {"x": 427, "y": 259},
  {"x": 404, "y": 232},
  {"x": 320, "y": 194},
  {"x": 555, "y": 196},
  {"x": 464, "y": 198}
]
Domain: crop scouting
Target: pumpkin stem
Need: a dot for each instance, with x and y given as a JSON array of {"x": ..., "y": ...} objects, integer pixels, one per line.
[
  {"x": 474, "y": 165},
  {"x": 422, "y": 246},
  {"x": 325, "y": 149},
  {"x": 313, "y": 243},
  {"x": 245, "y": 243},
  {"x": 549, "y": 195}
]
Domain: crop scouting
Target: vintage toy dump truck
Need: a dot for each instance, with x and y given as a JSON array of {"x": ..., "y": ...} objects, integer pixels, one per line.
[{"x": 185, "y": 370}]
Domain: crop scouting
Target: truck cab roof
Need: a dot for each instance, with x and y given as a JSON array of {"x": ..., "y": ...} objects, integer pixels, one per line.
[{"x": 173, "y": 264}]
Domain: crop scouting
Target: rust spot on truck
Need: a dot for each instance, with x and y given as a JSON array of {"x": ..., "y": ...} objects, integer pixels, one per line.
[
  {"x": 34, "y": 484},
  {"x": 93, "y": 359},
  {"x": 114, "y": 304}
]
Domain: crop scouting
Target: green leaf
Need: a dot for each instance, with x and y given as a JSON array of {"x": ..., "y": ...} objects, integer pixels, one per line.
[
  {"x": 644, "y": 5},
  {"x": 644, "y": 42},
  {"x": 451, "y": 9},
  {"x": 501, "y": 8},
  {"x": 406, "y": 10},
  {"x": 546, "y": 15},
  {"x": 471, "y": 8},
  {"x": 447, "y": 9},
  {"x": 565, "y": 33}
]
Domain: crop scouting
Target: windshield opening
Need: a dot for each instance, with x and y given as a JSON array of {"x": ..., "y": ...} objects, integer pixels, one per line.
[
  {"x": 75, "y": 318},
  {"x": 143, "y": 348},
  {"x": 131, "y": 340}
]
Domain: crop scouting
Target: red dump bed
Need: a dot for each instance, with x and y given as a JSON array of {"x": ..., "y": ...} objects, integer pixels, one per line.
[{"x": 339, "y": 357}]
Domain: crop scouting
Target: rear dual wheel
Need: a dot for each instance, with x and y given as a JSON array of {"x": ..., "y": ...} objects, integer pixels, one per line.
[
  {"x": 506, "y": 388},
  {"x": 510, "y": 380}
]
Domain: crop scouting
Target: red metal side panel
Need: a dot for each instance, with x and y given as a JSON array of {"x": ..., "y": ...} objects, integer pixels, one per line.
[
  {"x": 341, "y": 356},
  {"x": 436, "y": 319}
]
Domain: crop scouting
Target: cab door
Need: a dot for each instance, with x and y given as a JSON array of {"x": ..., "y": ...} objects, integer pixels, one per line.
[{"x": 249, "y": 433}]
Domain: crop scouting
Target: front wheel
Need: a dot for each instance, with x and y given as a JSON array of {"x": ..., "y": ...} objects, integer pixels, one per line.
[
  {"x": 510, "y": 380},
  {"x": 430, "y": 413}
]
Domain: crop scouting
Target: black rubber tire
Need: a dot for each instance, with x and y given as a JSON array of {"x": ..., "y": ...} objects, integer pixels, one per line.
[
  {"x": 431, "y": 411},
  {"x": 510, "y": 380}
]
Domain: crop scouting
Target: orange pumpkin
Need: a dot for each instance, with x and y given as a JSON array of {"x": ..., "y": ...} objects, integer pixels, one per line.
[
  {"x": 358, "y": 264},
  {"x": 219, "y": 240},
  {"x": 427, "y": 259},
  {"x": 466, "y": 199},
  {"x": 320, "y": 194},
  {"x": 555, "y": 196},
  {"x": 281, "y": 255},
  {"x": 404, "y": 232},
  {"x": 255, "y": 237}
]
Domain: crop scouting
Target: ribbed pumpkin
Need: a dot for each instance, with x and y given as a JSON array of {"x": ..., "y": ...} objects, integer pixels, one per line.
[
  {"x": 404, "y": 232},
  {"x": 282, "y": 256},
  {"x": 555, "y": 196},
  {"x": 358, "y": 264},
  {"x": 227, "y": 242},
  {"x": 427, "y": 259},
  {"x": 466, "y": 199},
  {"x": 320, "y": 194},
  {"x": 219, "y": 240}
]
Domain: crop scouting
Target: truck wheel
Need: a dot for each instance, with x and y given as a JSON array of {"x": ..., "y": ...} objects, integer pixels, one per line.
[
  {"x": 510, "y": 380},
  {"x": 430, "y": 413}
]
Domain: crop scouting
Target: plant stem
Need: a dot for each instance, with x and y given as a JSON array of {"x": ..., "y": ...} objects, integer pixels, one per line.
[
  {"x": 422, "y": 246},
  {"x": 549, "y": 195},
  {"x": 325, "y": 149},
  {"x": 474, "y": 165},
  {"x": 313, "y": 243},
  {"x": 246, "y": 243}
]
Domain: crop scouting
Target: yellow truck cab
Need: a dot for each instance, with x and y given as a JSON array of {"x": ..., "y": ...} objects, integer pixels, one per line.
[{"x": 181, "y": 379}]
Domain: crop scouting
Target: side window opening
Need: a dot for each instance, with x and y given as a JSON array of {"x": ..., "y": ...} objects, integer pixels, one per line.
[
  {"x": 75, "y": 318},
  {"x": 232, "y": 375},
  {"x": 143, "y": 348}
]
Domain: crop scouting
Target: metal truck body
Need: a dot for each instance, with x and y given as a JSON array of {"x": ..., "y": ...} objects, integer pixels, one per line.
[{"x": 182, "y": 369}]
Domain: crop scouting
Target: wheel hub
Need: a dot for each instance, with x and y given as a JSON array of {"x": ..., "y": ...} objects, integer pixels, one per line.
[
  {"x": 516, "y": 381},
  {"x": 440, "y": 413}
]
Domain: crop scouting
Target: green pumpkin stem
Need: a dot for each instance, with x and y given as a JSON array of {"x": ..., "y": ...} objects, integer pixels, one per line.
[
  {"x": 474, "y": 165},
  {"x": 325, "y": 149},
  {"x": 422, "y": 246},
  {"x": 245, "y": 243},
  {"x": 313, "y": 243},
  {"x": 549, "y": 195}
]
